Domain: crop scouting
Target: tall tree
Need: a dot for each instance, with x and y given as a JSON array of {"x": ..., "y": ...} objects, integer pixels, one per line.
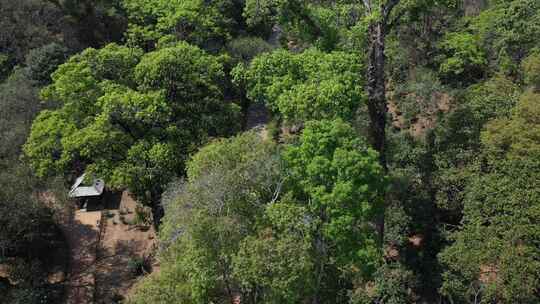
[
  {"x": 130, "y": 118},
  {"x": 311, "y": 85},
  {"x": 382, "y": 18},
  {"x": 338, "y": 177},
  {"x": 229, "y": 183}
]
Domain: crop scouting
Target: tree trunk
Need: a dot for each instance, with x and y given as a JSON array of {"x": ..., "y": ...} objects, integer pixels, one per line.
[
  {"x": 157, "y": 208},
  {"x": 377, "y": 108},
  {"x": 376, "y": 89}
]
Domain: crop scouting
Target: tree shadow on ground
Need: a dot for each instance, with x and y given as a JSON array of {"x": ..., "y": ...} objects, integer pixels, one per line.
[{"x": 114, "y": 274}]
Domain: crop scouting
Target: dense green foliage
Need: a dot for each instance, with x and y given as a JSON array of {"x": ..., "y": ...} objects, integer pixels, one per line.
[
  {"x": 344, "y": 185},
  {"x": 30, "y": 241},
  {"x": 229, "y": 182},
  {"x": 206, "y": 24},
  {"x": 310, "y": 85},
  {"x": 495, "y": 253},
  {"x": 394, "y": 159},
  {"x": 122, "y": 115},
  {"x": 247, "y": 224}
]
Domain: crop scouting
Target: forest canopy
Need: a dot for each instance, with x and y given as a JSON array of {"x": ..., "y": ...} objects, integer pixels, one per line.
[{"x": 375, "y": 151}]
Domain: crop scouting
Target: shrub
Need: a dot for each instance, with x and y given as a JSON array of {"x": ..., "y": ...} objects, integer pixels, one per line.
[
  {"x": 531, "y": 70},
  {"x": 246, "y": 48},
  {"x": 138, "y": 266},
  {"x": 463, "y": 57},
  {"x": 143, "y": 216},
  {"x": 42, "y": 62}
]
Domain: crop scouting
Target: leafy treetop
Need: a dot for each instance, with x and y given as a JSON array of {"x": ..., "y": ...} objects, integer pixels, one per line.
[
  {"x": 301, "y": 87},
  {"x": 130, "y": 118}
]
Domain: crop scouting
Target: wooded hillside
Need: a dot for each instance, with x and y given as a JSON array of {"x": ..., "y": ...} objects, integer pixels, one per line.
[{"x": 374, "y": 151}]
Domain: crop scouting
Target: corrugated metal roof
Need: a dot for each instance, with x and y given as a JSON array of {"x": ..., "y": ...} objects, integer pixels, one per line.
[{"x": 95, "y": 190}]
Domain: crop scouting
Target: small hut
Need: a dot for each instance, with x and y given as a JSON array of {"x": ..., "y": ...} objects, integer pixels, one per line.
[{"x": 87, "y": 193}]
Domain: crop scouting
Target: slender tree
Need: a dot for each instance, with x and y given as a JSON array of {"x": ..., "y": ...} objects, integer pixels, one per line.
[
  {"x": 383, "y": 16},
  {"x": 382, "y": 20},
  {"x": 381, "y": 23}
]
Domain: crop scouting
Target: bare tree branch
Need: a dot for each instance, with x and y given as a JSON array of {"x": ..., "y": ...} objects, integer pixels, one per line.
[
  {"x": 367, "y": 5},
  {"x": 278, "y": 191},
  {"x": 387, "y": 10}
]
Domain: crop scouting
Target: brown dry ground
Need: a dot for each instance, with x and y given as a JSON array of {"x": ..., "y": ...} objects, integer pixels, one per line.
[
  {"x": 101, "y": 246},
  {"x": 83, "y": 237},
  {"x": 120, "y": 243},
  {"x": 4, "y": 273},
  {"x": 424, "y": 122}
]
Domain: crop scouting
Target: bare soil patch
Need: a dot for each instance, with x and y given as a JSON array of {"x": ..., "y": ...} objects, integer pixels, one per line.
[
  {"x": 102, "y": 243},
  {"x": 419, "y": 125},
  {"x": 83, "y": 237},
  {"x": 121, "y": 242}
]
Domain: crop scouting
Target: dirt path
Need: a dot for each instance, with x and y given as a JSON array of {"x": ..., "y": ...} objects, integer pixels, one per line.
[
  {"x": 83, "y": 237},
  {"x": 102, "y": 244},
  {"x": 121, "y": 243}
]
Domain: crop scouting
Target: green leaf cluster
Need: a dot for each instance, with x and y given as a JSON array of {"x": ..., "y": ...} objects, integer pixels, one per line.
[
  {"x": 494, "y": 254},
  {"x": 307, "y": 86},
  {"x": 270, "y": 226},
  {"x": 464, "y": 55},
  {"x": 344, "y": 184},
  {"x": 129, "y": 117},
  {"x": 203, "y": 23}
]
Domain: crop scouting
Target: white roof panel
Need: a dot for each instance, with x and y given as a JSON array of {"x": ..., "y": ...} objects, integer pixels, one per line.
[
  {"x": 95, "y": 190},
  {"x": 78, "y": 182}
]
